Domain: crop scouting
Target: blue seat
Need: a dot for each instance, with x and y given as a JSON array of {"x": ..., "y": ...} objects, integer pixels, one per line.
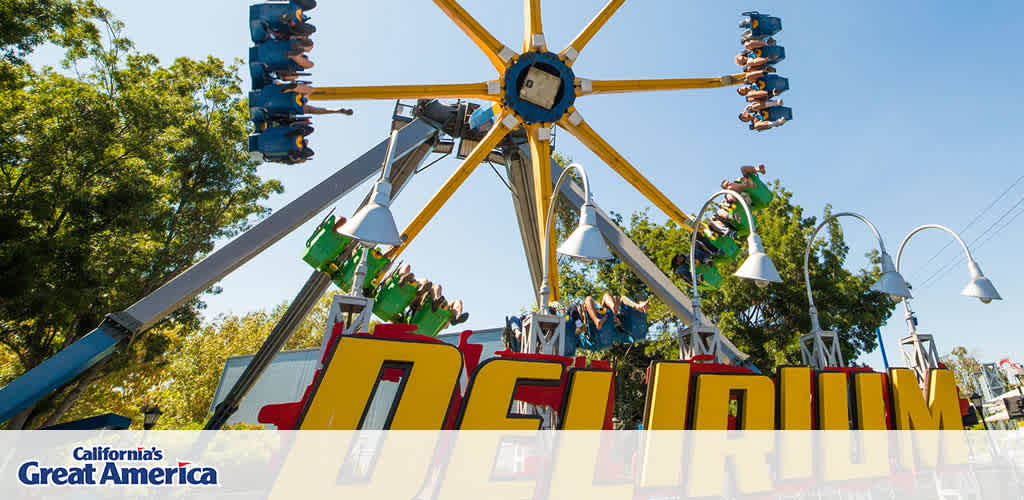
[
  {"x": 282, "y": 144},
  {"x": 634, "y": 328},
  {"x": 280, "y": 20},
  {"x": 774, "y": 84},
  {"x": 759, "y": 25},
  {"x": 274, "y": 103},
  {"x": 776, "y": 112},
  {"x": 483, "y": 118},
  {"x": 272, "y": 57},
  {"x": 773, "y": 53}
]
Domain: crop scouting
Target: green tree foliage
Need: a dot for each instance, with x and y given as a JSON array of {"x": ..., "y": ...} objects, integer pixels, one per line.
[
  {"x": 182, "y": 379},
  {"x": 964, "y": 365},
  {"x": 26, "y": 24},
  {"x": 765, "y": 323},
  {"x": 111, "y": 183}
]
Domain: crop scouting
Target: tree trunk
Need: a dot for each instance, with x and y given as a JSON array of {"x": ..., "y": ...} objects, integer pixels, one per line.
[
  {"x": 84, "y": 382},
  {"x": 17, "y": 422}
]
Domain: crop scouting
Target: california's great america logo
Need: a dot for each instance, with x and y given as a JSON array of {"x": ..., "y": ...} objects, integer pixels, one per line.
[{"x": 107, "y": 466}]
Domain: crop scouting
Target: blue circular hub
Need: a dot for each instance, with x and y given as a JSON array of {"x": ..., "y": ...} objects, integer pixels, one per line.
[{"x": 539, "y": 87}]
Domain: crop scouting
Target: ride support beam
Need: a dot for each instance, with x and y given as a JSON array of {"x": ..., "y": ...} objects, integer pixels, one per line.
[
  {"x": 498, "y": 53},
  {"x": 539, "y": 137},
  {"x": 503, "y": 124},
  {"x": 390, "y": 92},
  {"x": 646, "y": 270},
  {"x": 576, "y": 126},
  {"x": 534, "y": 36},
  {"x": 201, "y": 276},
  {"x": 591, "y": 87}
]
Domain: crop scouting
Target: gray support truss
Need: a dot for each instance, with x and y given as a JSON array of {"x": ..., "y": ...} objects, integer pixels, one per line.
[
  {"x": 402, "y": 172},
  {"x": 154, "y": 307},
  {"x": 657, "y": 282},
  {"x": 520, "y": 178}
]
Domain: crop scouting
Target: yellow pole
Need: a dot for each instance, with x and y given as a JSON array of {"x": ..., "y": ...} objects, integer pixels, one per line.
[
  {"x": 533, "y": 26},
  {"x": 502, "y": 126},
  {"x": 428, "y": 91},
  {"x": 590, "y": 30},
  {"x": 620, "y": 86},
  {"x": 498, "y": 53},
  {"x": 579, "y": 128},
  {"x": 540, "y": 152}
]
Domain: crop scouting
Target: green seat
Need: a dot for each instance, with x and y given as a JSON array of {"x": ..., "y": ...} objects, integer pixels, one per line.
[
  {"x": 709, "y": 275},
  {"x": 393, "y": 298},
  {"x": 325, "y": 246},
  {"x": 739, "y": 223},
  {"x": 376, "y": 263},
  {"x": 726, "y": 245},
  {"x": 761, "y": 195},
  {"x": 430, "y": 322}
]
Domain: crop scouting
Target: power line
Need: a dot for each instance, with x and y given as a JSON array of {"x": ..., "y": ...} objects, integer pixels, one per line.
[
  {"x": 920, "y": 269},
  {"x": 956, "y": 260}
]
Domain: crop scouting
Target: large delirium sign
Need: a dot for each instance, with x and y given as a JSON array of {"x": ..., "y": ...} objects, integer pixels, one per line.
[{"x": 680, "y": 394}]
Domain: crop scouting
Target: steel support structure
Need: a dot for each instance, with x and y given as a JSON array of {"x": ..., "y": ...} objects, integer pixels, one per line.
[{"x": 53, "y": 373}]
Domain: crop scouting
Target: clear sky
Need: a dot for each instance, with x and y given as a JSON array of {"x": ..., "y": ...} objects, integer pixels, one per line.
[{"x": 902, "y": 112}]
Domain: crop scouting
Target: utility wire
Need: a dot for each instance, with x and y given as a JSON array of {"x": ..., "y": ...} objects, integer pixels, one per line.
[
  {"x": 956, "y": 260},
  {"x": 921, "y": 268}
]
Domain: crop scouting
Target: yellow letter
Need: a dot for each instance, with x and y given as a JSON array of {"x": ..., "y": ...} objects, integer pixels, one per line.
[
  {"x": 586, "y": 406},
  {"x": 794, "y": 394},
  {"x": 667, "y": 396},
  {"x": 833, "y": 402},
  {"x": 942, "y": 412},
  {"x": 343, "y": 396},
  {"x": 756, "y": 404},
  {"x": 488, "y": 404},
  {"x": 869, "y": 401}
]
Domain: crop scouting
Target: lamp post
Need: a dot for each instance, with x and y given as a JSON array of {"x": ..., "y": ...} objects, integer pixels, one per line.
[
  {"x": 374, "y": 224},
  {"x": 544, "y": 332},
  {"x": 704, "y": 339},
  {"x": 820, "y": 348},
  {"x": 976, "y": 401},
  {"x": 150, "y": 415},
  {"x": 918, "y": 349}
]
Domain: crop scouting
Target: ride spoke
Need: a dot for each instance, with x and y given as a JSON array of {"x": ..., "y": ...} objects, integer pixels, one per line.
[
  {"x": 503, "y": 124},
  {"x": 534, "y": 37},
  {"x": 540, "y": 153},
  {"x": 428, "y": 91},
  {"x": 576, "y": 126},
  {"x": 590, "y": 87},
  {"x": 576, "y": 46},
  {"x": 498, "y": 53}
]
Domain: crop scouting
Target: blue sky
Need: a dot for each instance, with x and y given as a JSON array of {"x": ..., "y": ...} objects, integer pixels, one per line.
[{"x": 903, "y": 112}]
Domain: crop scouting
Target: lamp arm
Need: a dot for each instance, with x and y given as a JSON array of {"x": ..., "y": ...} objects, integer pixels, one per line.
[
  {"x": 389, "y": 158},
  {"x": 693, "y": 240},
  {"x": 918, "y": 229},
  {"x": 899, "y": 254},
  {"x": 544, "y": 288},
  {"x": 807, "y": 255}
]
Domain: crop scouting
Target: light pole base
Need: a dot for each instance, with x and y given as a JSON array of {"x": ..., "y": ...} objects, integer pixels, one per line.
[{"x": 820, "y": 349}]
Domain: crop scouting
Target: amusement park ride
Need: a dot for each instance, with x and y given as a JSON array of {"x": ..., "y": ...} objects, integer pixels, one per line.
[{"x": 534, "y": 91}]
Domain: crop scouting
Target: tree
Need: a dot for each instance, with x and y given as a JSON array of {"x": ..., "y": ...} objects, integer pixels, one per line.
[
  {"x": 183, "y": 378},
  {"x": 26, "y": 24},
  {"x": 964, "y": 365},
  {"x": 765, "y": 323},
  {"x": 111, "y": 184}
]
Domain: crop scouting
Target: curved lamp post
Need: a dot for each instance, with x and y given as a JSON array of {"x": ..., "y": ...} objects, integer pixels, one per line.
[
  {"x": 374, "y": 224},
  {"x": 820, "y": 348},
  {"x": 919, "y": 351},
  {"x": 704, "y": 339},
  {"x": 544, "y": 331}
]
